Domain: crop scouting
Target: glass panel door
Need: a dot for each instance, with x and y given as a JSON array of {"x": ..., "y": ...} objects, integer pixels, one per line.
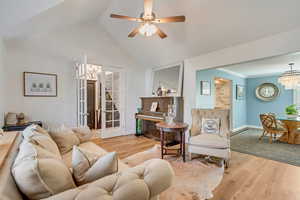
[
  {"x": 81, "y": 76},
  {"x": 111, "y": 102}
]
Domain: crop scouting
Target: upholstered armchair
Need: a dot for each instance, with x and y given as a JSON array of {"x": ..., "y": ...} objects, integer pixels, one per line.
[{"x": 217, "y": 145}]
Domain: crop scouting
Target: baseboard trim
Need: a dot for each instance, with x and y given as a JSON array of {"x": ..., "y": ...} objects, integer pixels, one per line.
[
  {"x": 246, "y": 127},
  {"x": 239, "y": 129}
]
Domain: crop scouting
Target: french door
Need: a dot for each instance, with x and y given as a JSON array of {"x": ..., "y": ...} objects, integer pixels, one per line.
[
  {"x": 81, "y": 81},
  {"x": 112, "y": 96}
]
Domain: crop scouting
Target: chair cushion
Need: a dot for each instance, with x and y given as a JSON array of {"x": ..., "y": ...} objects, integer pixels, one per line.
[
  {"x": 39, "y": 174},
  {"x": 210, "y": 141},
  {"x": 88, "y": 167},
  {"x": 65, "y": 138}
]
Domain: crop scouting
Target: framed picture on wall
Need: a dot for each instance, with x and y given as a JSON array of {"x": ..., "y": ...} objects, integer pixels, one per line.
[
  {"x": 240, "y": 92},
  {"x": 39, "y": 84},
  {"x": 205, "y": 88}
]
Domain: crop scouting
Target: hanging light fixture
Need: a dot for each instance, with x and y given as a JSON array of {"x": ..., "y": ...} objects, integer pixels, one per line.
[
  {"x": 290, "y": 79},
  {"x": 148, "y": 29}
]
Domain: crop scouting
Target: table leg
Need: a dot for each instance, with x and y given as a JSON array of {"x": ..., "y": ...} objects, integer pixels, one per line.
[
  {"x": 162, "y": 143},
  {"x": 183, "y": 145}
]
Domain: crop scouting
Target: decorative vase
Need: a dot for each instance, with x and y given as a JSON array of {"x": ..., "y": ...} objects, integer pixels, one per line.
[{"x": 171, "y": 114}]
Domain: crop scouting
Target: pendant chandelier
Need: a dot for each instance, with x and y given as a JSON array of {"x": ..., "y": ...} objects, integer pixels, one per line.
[{"x": 290, "y": 79}]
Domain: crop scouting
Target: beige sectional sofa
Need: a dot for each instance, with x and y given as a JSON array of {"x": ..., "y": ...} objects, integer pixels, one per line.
[{"x": 143, "y": 182}]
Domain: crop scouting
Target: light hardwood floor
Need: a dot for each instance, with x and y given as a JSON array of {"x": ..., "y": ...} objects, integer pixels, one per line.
[{"x": 248, "y": 177}]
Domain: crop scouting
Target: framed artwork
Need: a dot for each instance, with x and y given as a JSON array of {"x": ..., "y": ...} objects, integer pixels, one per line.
[
  {"x": 205, "y": 88},
  {"x": 240, "y": 92},
  {"x": 39, "y": 84},
  {"x": 154, "y": 106}
]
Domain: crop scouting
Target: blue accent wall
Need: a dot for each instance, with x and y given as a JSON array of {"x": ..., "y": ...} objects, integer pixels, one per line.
[
  {"x": 256, "y": 106},
  {"x": 239, "y": 106},
  {"x": 245, "y": 112}
]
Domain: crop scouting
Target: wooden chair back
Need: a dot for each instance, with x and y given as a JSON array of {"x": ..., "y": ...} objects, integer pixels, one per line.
[{"x": 268, "y": 121}]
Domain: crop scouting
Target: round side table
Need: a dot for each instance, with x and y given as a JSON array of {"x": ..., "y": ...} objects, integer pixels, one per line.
[{"x": 178, "y": 128}]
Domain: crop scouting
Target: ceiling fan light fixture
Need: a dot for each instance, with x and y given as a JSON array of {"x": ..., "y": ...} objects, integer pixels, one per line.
[{"x": 148, "y": 29}]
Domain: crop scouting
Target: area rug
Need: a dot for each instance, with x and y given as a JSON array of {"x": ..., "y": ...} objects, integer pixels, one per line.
[
  {"x": 194, "y": 180},
  {"x": 248, "y": 142}
]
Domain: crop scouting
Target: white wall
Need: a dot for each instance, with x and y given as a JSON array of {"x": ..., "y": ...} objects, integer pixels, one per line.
[
  {"x": 56, "y": 53},
  {"x": 2, "y": 86},
  {"x": 266, "y": 47}
]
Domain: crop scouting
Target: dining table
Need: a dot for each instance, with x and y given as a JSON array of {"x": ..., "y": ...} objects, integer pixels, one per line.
[{"x": 292, "y": 136}]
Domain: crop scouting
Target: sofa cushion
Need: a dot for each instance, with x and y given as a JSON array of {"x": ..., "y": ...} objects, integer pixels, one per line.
[
  {"x": 83, "y": 133},
  {"x": 90, "y": 147},
  {"x": 65, "y": 138},
  {"x": 39, "y": 174},
  {"x": 143, "y": 182},
  {"x": 88, "y": 167},
  {"x": 210, "y": 141},
  {"x": 29, "y": 150},
  {"x": 45, "y": 142}
]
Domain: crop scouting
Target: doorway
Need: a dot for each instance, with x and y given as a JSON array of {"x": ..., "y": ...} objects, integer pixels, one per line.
[
  {"x": 223, "y": 95},
  {"x": 91, "y": 104},
  {"x": 100, "y": 99}
]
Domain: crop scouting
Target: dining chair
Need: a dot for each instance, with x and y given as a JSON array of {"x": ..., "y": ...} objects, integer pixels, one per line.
[{"x": 271, "y": 126}]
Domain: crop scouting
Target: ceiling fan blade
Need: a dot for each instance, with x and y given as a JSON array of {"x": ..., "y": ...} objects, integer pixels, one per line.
[
  {"x": 148, "y": 4},
  {"x": 134, "y": 32},
  {"x": 170, "y": 19},
  {"x": 126, "y": 18},
  {"x": 161, "y": 34}
]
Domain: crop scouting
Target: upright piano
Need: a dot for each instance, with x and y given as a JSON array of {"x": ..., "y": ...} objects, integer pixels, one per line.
[{"x": 149, "y": 118}]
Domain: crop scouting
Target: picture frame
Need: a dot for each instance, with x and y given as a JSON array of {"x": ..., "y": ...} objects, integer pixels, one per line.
[
  {"x": 240, "y": 92},
  {"x": 39, "y": 84},
  {"x": 205, "y": 88},
  {"x": 154, "y": 106}
]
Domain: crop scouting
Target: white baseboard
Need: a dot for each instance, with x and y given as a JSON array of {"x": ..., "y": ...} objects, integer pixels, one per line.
[
  {"x": 246, "y": 127},
  {"x": 255, "y": 127},
  {"x": 239, "y": 128}
]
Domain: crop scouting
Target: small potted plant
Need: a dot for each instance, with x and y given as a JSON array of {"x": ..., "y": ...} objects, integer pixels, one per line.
[{"x": 291, "y": 111}]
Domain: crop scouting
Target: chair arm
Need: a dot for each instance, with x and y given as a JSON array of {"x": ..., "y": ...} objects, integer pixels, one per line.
[{"x": 143, "y": 182}]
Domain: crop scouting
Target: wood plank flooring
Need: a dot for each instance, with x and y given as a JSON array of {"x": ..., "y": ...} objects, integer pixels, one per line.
[
  {"x": 126, "y": 145},
  {"x": 248, "y": 177}
]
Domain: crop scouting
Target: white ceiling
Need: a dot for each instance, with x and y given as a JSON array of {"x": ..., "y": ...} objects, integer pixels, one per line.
[
  {"x": 62, "y": 15},
  {"x": 267, "y": 66},
  {"x": 210, "y": 25},
  {"x": 14, "y": 12}
]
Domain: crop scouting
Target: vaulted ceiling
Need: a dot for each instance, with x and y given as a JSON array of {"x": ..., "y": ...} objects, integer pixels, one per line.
[{"x": 210, "y": 25}]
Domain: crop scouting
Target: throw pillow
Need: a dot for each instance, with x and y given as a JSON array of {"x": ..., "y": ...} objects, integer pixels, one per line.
[
  {"x": 44, "y": 142},
  {"x": 38, "y": 174},
  {"x": 87, "y": 167},
  {"x": 29, "y": 150},
  {"x": 65, "y": 138},
  {"x": 83, "y": 133},
  {"x": 34, "y": 129},
  {"x": 210, "y": 126}
]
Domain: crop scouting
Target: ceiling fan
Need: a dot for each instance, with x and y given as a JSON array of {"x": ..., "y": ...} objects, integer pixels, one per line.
[{"x": 149, "y": 21}]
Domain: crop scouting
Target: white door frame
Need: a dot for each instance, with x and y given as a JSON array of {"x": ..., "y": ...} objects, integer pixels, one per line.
[
  {"x": 113, "y": 132},
  {"x": 81, "y": 77}
]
